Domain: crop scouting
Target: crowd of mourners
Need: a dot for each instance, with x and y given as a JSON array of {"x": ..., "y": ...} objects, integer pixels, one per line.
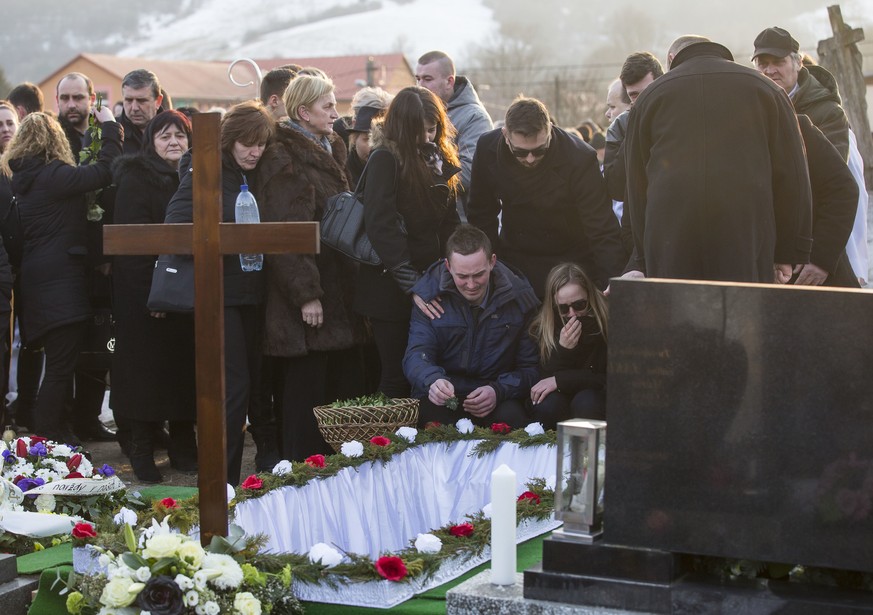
[{"x": 496, "y": 244}]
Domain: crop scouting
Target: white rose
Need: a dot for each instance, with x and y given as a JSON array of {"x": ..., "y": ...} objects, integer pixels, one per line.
[
  {"x": 325, "y": 554},
  {"x": 190, "y": 551},
  {"x": 534, "y": 429},
  {"x": 282, "y": 468},
  {"x": 120, "y": 591},
  {"x": 486, "y": 510},
  {"x": 352, "y": 449},
  {"x": 407, "y": 433},
  {"x": 211, "y": 608},
  {"x": 245, "y": 603},
  {"x": 45, "y": 503},
  {"x": 162, "y": 545},
  {"x": 428, "y": 543},
  {"x": 464, "y": 426},
  {"x": 143, "y": 574},
  {"x": 125, "y": 515}
]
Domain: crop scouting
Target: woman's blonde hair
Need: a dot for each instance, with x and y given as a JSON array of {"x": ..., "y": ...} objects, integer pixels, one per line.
[
  {"x": 544, "y": 324},
  {"x": 304, "y": 91},
  {"x": 39, "y": 136}
]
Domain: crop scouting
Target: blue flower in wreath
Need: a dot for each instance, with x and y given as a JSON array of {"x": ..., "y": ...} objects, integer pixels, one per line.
[
  {"x": 38, "y": 450},
  {"x": 26, "y": 484},
  {"x": 106, "y": 470},
  {"x": 9, "y": 457}
]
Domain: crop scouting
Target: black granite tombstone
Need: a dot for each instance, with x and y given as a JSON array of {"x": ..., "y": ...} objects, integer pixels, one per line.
[{"x": 740, "y": 425}]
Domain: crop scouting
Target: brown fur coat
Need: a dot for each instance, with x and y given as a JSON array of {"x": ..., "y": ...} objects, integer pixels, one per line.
[{"x": 295, "y": 178}]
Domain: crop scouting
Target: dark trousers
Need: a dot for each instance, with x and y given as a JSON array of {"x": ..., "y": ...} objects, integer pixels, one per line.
[
  {"x": 509, "y": 411},
  {"x": 90, "y": 388},
  {"x": 243, "y": 326},
  {"x": 30, "y": 359},
  {"x": 557, "y": 407},
  {"x": 391, "y": 338},
  {"x": 61, "y": 346},
  {"x": 182, "y": 446},
  {"x": 305, "y": 388}
]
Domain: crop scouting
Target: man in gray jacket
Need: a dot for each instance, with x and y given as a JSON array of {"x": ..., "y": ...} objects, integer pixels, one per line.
[{"x": 436, "y": 72}]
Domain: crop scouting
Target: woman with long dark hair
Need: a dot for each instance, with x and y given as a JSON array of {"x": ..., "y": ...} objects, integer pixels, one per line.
[
  {"x": 410, "y": 185},
  {"x": 245, "y": 130},
  {"x": 153, "y": 362},
  {"x": 571, "y": 331},
  {"x": 50, "y": 189}
]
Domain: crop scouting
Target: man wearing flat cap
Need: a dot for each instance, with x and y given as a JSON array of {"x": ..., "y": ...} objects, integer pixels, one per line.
[{"x": 813, "y": 90}]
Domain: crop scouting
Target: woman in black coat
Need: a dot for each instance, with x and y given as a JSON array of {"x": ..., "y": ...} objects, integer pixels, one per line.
[
  {"x": 571, "y": 331},
  {"x": 51, "y": 190},
  {"x": 153, "y": 363},
  {"x": 245, "y": 130},
  {"x": 409, "y": 194}
]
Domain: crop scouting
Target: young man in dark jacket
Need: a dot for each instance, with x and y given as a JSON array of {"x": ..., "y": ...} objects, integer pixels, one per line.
[{"x": 475, "y": 355}]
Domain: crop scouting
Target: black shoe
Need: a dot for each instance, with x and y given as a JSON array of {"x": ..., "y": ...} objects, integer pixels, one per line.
[
  {"x": 98, "y": 432},
  {"x": 145, "y": 470}
]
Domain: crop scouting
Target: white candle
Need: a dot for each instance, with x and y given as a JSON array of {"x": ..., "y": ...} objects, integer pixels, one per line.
[{"x": 503, "y": 526}]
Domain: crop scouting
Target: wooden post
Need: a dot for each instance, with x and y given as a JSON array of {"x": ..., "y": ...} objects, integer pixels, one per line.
[
  {"x": 208, "y": 239},
  {"x": 841, "y": 57}
]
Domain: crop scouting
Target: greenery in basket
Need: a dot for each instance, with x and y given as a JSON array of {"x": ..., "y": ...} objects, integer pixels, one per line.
[{"x": 377, "y": 400}]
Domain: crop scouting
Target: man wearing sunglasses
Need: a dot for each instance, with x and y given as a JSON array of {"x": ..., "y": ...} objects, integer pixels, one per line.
[{"x": 544, "y": 186}]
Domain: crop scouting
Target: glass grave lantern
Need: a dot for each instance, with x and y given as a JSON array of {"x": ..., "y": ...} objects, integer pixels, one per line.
[{"x": 579, "y": 488}]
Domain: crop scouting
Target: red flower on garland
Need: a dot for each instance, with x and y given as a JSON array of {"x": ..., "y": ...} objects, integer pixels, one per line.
[
  {"x": 84, "y": 530},
  {"x": 37, "y": 440},
  {"x": 316, "y": 461},
  {"x": 529, "y": 495},
  {"x": 391, "y": 568},
  {"x": 380, "y": 441},
  {"x": 252, "y": 482},
  {"x": 461, "y": 530},
  {"x": 169, "y": 503},
  {"x": 74, "y": 475},
  {"x": 500, "y": 428},
  {"x": 74, "y": 461},
  {"x": 21, "y": 449},
  {"x": 433, "y": 425}
]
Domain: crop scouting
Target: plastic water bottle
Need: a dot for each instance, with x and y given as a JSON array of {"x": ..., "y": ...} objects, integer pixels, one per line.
[{"x": 246, "y": 212}]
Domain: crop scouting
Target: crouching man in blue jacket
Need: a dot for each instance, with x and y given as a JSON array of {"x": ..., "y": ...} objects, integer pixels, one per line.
[{"x": 469, "y": 353}]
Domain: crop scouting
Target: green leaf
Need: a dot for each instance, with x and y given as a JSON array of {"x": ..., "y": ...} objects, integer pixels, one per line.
[
  {"x": 163, "y": 565},
  {"x": 133, "y": 561},
  {"x": 129, "y": 538}
]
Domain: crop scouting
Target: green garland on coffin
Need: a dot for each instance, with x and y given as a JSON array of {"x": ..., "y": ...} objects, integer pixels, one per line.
[{"x": 300, "y": 473}]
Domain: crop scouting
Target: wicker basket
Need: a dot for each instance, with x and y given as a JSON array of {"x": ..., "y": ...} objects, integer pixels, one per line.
[{"x": 338, "y": 425}]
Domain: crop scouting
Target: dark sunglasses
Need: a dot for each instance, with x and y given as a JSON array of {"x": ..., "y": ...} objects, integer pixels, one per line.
[
  {"x": 519, "y": 152},
  {"x": 578, "y": 306}
]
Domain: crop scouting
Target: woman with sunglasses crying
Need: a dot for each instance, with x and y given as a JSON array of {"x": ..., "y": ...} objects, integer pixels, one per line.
[{"x": 571, "y": 332}]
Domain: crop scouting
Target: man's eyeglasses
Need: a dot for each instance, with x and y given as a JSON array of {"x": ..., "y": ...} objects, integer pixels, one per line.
[
  {"x": 578, "y": 306},
  {"x": 519, "y": 152}
]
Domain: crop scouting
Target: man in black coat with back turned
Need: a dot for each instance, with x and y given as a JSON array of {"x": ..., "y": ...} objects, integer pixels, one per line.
[
  {"x": 548, "y": 187},
  {"x": 718, "y": 187}
]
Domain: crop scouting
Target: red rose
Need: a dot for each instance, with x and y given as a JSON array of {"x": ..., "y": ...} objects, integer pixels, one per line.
[
  {"x": 74, "y": 461},
  {"x": 380, "y": 441},
  {"x": 529, "y": 495},
  {"x": 37, "y": 440},
  {"x": 84, "y": 530},
  {"x": 74, "y": 475},
  {"x": 252, "y": 482},
  {"x": 463, "y": 529},
  {"x": 21, "y": 449},
  {"x": 169, "y": 503},
  {"x": 500, "y": 428},
  {"x": 391, "y": 567},
  {"x": 433, "y": 425},
  {"x": 316, "y": 461}
]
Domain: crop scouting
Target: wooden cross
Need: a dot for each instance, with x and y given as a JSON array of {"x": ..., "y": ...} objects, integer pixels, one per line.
[
  {"x": 840, "y": 55},
  {"x": 208, "y": 239}
]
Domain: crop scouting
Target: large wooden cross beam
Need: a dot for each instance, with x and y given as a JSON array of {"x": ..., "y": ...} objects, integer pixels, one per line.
[{"x": 208, "y": 239}]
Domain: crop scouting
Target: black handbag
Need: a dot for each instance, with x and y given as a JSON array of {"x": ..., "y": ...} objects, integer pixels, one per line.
[
  {"x": 342, "y": 225},
  {"x": 172, "y": 284}
]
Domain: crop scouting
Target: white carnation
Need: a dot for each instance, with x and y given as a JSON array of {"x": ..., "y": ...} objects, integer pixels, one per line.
[
  {"x": 464, "y": 426},
  {"x": 125, "y": 515},
  {"x": 428, "y": 543},
  {"x": 282, "y": 468},
  {"x": 535, "y": 429},
  {"x": 45, "y": 503},
  {"x": 325, "y": 554},
  {"x": 352, "y": 449},
  {"x": 407, "y": 433}
]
